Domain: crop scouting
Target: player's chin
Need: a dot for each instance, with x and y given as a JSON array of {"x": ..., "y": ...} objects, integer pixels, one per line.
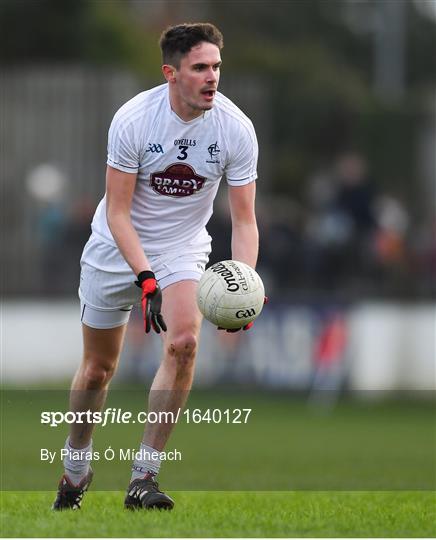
[
  {"x": 207, "y": 107},
  {"x": 207, "y": 101}
]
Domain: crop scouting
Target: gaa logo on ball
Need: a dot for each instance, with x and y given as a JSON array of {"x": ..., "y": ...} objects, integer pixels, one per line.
[{"x": 230, "y": 294}]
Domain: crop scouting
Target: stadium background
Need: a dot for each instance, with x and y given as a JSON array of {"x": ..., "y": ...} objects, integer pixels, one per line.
[{"x": 342, "y": 95}]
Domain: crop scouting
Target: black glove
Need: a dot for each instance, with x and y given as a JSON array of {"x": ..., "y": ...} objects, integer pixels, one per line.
[{"x": 151, "y": 302}]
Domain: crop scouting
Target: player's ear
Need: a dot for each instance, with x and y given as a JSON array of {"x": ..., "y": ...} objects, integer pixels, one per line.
[{"x": 169, "y": 72}]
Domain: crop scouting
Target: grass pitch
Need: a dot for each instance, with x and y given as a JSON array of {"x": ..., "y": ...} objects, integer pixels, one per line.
[
  {"x": 228, "y": 514},
  {"x": 336, "y": 471},
  {"x": 284, "y": 446}
]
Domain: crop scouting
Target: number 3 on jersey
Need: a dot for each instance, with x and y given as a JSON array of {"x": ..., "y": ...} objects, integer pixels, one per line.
[{"x": 183, "y": 154}]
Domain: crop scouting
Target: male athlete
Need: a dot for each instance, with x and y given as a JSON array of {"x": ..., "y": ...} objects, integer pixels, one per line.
[{"x": 167, "y": 151}]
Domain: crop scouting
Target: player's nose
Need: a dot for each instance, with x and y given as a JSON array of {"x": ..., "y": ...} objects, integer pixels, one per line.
[{"x": 211, "y": 76}]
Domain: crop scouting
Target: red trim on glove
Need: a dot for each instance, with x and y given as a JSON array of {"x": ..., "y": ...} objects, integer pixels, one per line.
[{"x": 148, "y": 286}]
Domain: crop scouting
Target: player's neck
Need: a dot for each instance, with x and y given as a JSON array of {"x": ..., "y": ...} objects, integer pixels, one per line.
[{"x": 184, "y": 111}]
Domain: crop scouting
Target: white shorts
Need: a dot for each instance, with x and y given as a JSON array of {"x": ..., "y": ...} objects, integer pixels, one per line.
[{"x": 107, "y": 290}]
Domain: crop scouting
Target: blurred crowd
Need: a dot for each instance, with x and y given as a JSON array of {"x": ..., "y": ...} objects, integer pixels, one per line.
[{"x": 343, "y": 238}]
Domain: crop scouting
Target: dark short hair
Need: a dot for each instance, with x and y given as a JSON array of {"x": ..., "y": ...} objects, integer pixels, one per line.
[{"x": 176, "y": 41}]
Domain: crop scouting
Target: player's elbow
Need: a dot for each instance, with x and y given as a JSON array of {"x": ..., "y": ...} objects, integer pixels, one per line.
[
  {"x": 117, "y": 221},
  {"x": 115, "y": 216}
]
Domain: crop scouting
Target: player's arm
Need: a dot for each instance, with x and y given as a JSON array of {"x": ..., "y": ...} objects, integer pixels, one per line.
[
  {"x": 119, "y": 193},
  {"x": 245, "y": 235}
]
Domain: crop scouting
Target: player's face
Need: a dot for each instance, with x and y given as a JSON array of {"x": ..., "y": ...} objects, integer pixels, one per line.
[{"x": 196, "y": 80}]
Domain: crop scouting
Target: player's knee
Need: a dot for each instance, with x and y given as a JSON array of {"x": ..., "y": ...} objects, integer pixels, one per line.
[
  {"x": 183, "y": 349},
  {"x": 98, "y": 375}
]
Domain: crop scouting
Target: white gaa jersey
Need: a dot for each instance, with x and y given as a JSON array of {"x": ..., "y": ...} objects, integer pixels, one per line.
[{"x": 179, "y": 166}]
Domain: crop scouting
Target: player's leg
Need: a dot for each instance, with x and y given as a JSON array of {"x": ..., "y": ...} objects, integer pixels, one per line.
[
  {"x": 106, "y": 300},
  {"x": 107, "y": 292},
  {"x": 173, "y": 379},
  {"x": 101, "y": 351},
  {"x": 169, "y": 390}
]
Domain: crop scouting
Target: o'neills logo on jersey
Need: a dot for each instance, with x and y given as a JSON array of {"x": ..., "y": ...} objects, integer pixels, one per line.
[{"x": 178, "y": 180}]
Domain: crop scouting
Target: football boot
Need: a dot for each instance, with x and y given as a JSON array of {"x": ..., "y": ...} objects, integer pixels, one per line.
[
  {"x": 145, "y": 493},
  {"x": 69, "y": 496}
]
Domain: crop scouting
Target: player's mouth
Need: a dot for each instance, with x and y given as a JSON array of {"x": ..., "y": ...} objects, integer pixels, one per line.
[{"x": 208, "y": 94}]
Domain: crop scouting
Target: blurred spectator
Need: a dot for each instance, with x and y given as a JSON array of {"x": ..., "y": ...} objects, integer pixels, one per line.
[
  {"x": 341, "y": 223},
  {"x": 51, "y": 225},
  {"x": 390, "y": 240},
  {"x": 329, "y": 359},
  {"x": 47, "y": 186},
  {"x": 281, "y": 243},
  {"x": 355, "y": 193},
  {"x": 62, "y": 237}
]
